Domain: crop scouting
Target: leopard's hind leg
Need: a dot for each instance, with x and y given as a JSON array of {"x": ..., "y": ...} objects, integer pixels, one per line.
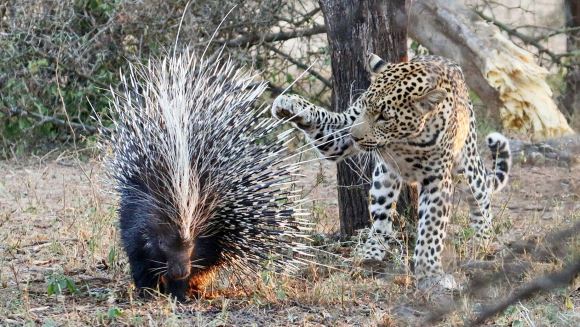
[{"x": 483, "y": 183}]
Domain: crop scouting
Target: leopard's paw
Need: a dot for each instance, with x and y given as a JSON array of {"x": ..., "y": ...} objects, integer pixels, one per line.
[
  {"x": 444, "y": 282},
  {"x": 293, "y": 109},
  {"x": 375, "y": 248}
]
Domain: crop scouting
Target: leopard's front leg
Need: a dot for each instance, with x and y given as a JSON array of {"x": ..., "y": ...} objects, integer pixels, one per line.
[
  {"x": 329, "y": 132},
  {"x": 434, "y": 207},
  {"x": 384, "y": 192}
]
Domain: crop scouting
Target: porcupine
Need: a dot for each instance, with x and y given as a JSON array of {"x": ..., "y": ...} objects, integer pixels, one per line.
[{"x": 203, "y": 184}]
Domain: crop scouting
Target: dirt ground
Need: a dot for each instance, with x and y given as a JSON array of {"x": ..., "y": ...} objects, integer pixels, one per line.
[{"x": 61, "y": 263}]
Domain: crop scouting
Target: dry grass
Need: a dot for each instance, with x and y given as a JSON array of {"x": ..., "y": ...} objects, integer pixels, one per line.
[{"x": 61, "y": 264}]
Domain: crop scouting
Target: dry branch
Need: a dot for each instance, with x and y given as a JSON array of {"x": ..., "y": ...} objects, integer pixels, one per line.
[
  {"x": 83, "y": 128},
  {"x": 524, "y": 38},
  {"x": 564, "y": 151},
  {"x": 549, "y": 282},
  {"x": 543, "y": 284},
  {"x": 253, "y": 39},
  {"x": 300, "y": 65}
]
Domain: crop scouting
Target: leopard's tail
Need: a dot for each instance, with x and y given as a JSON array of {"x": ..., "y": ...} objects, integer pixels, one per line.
[{"x": 502, "y": 160}]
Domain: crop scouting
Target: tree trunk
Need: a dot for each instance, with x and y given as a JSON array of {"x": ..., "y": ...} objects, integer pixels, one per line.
[
  {"x": 571, "y": 97},
  {"x": 355, "y": 28}
]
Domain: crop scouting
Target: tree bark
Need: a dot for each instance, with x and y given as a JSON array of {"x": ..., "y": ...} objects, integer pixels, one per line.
[
  {"x": 355, "y": 28},
  {"x": 571, "y": 97}
]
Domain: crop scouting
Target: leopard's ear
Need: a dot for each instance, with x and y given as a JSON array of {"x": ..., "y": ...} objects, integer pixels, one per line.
[
  {"x": 375, "y": 64},
  {"x": 429, "y": 100}
]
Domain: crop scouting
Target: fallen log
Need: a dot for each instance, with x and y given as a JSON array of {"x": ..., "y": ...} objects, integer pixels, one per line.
[{"x": 503, "y": 75}]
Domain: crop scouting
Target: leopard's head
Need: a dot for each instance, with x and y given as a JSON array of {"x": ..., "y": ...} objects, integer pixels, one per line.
[{"x": 397, "y": 104}]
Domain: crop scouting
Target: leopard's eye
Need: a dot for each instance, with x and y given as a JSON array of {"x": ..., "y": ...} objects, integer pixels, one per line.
[{"x": 375, "y": 115}]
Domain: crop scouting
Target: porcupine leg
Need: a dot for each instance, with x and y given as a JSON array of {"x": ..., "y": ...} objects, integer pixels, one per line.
[
  {"x": 328, "y": 131},
  {"x": 146, "y": 276},
  {"x": 132, "y": 219},
  {"x": 198, "y": 280},
  {"x": 142, "y": 273}
]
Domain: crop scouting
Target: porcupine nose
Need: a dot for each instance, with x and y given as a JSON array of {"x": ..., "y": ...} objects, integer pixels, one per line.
[{"x": 178, "y": 272}]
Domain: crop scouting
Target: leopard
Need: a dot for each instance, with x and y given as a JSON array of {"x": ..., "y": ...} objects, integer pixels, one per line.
[{"x": 418, "y": 120}]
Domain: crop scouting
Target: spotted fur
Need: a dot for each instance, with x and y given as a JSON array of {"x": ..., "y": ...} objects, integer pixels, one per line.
[{"x": 418, "y": 117}]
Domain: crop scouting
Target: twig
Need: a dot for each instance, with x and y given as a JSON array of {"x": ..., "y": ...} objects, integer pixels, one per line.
[
  {"x": 524, "y": 38},
  {"x": 87, "y": 129},
  {"x": 543, "y": 284},
  {"x": 15, "y": 275},
  {"x": 307, "y": 16},
  {"x": 299, "y": 64},
  {"x": 553, "y": 241},
  {"x": 559, "y": 31},
  {"x": 57, "y": 78},
  {"x": 253, "y": 39},
  {"x": 73, "y": 66},
  {"x": 91, "y": 279},
  {"x": 37, "y": 243},
  {"x": 276, "y": 89}
]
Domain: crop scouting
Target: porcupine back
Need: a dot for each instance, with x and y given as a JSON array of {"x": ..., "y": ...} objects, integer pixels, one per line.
[{"x": 194, "y": 162}]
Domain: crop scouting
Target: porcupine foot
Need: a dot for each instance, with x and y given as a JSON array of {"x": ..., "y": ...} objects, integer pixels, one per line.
[
  {"x": 148, "y": 285},
  {"x": 175, "y": 288}
]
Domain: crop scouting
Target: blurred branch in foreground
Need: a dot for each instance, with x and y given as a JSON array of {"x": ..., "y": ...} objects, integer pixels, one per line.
[
  {"x": 546, "y": 283},
  {"x": 554, "y": 243}
]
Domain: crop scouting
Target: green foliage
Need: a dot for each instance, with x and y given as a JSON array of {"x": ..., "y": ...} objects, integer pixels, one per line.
[
  {"x": 56, "y": 61},
  {"x": 114, "y": 313},
  {"x": 48, "y": 322},
  {"x": 59, "y": 59},
  {"x": 113, "y": 256},
  {"x": 484, "y": 119},
  {"x": 557, "y": 81},
  {"x": 59, "y": 284},
  {"x": 461, "y": 239}
]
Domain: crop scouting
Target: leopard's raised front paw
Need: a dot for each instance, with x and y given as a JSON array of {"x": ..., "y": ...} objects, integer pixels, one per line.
[{"x": 292, "y": 108}]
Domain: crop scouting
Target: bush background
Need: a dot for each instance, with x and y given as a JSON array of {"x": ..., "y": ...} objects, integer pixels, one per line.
[{"x": 59, "y": 58}]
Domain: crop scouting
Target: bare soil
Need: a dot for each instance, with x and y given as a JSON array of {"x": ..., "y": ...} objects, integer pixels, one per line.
[{"x": 61, "y": 262}]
